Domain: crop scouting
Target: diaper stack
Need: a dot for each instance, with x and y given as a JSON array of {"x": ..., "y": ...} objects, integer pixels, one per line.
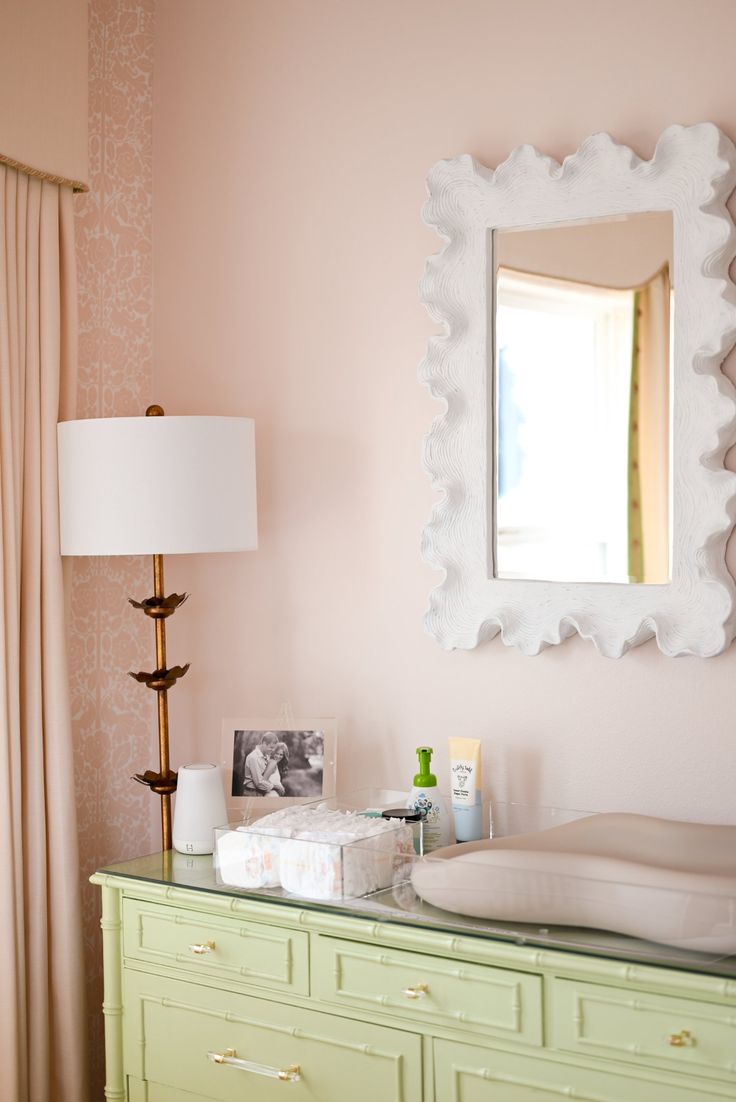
[{"x": 316, "y": 853}]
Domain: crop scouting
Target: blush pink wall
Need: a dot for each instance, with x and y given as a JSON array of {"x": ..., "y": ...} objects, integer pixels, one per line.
[{"x": 291, "y": 142}]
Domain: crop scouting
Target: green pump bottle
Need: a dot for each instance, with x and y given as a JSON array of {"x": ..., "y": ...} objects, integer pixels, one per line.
[{"x": 426, "y": 799}]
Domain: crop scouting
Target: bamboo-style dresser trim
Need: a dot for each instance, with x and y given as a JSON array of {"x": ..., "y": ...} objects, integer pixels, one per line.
[{"x": 481, "y": 949}]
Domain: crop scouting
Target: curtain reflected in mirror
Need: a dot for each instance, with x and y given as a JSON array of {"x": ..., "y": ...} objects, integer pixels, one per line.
[{"x": 582, "y": 400}]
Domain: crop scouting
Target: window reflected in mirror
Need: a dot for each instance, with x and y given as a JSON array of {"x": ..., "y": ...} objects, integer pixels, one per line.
[{"x": 582, "y": 399}]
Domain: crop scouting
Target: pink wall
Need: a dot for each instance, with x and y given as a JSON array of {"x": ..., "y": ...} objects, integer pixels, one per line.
[
  {"x": 114, "y": 722},
  {"x": 43, "y": 85},
  {"x": 291, "y": 145}
]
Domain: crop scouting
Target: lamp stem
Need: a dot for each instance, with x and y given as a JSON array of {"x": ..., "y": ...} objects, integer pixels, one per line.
[{"x": 163, "y": 704}]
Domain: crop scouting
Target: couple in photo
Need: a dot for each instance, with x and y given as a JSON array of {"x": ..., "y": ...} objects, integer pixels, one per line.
[{"x": 265, "y": 767}]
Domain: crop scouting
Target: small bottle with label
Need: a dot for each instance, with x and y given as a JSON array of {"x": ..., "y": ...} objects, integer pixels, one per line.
[
  {"x": 465, "y": 790},
  {"x": 425, "y": 798}
]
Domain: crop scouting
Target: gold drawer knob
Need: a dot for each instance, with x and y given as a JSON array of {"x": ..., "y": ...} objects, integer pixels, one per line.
[
  {"x": 222, "y": 1057},
  {"x": 681, "y": 1039},
  {"x": 203, "y": 949},
  {"x": 418, "y": 991},
  {"x": 292, "y": 1074}
]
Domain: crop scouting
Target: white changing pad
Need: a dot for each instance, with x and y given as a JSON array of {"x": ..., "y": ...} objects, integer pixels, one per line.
[{"x": 665, "y": 881}]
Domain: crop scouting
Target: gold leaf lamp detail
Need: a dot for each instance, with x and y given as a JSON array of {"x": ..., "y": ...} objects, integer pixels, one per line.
[
  {"x": 163, "y": 784},
  {"x": 160, "y": 680},
  {"x": 160, "y": 607}
]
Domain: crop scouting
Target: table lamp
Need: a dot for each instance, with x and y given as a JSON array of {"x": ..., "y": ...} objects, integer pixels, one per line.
[{"x": 157, "y": 485}]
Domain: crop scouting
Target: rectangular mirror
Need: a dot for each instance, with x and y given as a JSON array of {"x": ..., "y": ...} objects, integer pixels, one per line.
[{"x": 582, "y": 400}]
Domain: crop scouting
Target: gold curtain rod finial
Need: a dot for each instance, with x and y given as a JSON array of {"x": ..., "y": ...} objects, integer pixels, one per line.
[{"x": 155, "y": 411}]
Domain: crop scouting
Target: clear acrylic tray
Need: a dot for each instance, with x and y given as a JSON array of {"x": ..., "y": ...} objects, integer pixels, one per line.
[{"x": 594, "y": 903}]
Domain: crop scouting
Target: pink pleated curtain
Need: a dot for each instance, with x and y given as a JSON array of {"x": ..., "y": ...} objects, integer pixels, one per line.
[{"x": 42, "y": 1056}]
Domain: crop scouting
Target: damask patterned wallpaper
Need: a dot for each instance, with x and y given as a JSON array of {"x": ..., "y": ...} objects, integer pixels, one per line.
[{"x": 114, "y": 719}]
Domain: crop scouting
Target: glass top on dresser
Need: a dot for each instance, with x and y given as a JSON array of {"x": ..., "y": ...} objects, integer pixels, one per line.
[{"x": 401, "y": 904}]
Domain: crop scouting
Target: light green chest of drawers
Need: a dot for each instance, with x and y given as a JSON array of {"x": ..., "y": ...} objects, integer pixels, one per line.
[{"x": 218, "y": 997}]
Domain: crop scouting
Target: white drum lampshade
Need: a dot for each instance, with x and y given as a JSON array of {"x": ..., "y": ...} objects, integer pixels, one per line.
[
  {"x": 199, "y": 808},
  {"x": 157, "y": 485}
]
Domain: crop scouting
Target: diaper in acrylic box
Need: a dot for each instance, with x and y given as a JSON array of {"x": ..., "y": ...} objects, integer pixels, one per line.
[{"x": 326, "y": 851}]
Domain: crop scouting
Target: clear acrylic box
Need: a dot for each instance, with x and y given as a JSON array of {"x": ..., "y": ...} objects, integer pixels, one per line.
[{"x": 314, "y": 857}]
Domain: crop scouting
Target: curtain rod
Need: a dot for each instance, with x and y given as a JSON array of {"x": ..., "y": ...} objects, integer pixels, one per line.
[{"x": 75, "y": 185}]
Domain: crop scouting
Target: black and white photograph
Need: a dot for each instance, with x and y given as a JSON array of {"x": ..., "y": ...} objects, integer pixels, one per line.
[{"x": 272, "y": 763}]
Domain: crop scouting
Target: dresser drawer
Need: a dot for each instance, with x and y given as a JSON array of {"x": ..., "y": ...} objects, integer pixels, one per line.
[
  {"x": 170, "y": 1026},
  {"x": 465, "y": 1073},
  {"x": 218, "y": 947},
  {"x": 422, "y": 988},
  {"x": 657, "y": 1030}
]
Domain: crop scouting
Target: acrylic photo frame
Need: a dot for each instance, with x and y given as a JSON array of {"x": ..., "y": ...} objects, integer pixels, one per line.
[{"x": 311, "y": 763}]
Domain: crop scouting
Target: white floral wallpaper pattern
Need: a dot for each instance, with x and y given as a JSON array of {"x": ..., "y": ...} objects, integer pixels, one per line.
[{"x": 114, "y": 719}]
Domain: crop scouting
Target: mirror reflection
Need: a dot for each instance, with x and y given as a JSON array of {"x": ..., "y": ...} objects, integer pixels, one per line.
[{"x": 582, "y": 400}]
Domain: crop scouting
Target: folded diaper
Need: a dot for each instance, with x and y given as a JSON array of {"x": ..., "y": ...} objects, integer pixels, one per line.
[
  {"x": 247, "y": 859},
  {"x": 316, "y": 853}
]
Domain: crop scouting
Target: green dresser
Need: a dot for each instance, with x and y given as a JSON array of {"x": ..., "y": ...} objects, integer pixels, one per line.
[{"x": 214, "y": 995}]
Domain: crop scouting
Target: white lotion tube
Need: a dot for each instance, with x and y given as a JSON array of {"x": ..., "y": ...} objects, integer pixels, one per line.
[{"x": 467, "y": 808}]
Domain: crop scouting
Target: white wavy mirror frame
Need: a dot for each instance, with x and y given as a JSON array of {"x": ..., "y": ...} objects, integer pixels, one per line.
[{"x": 691, "y": 175}]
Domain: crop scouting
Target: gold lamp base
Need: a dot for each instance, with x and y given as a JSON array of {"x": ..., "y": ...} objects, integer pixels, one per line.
[
  {"x": 159, "y": 608},
  {"x": 160, "y": 680}
]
